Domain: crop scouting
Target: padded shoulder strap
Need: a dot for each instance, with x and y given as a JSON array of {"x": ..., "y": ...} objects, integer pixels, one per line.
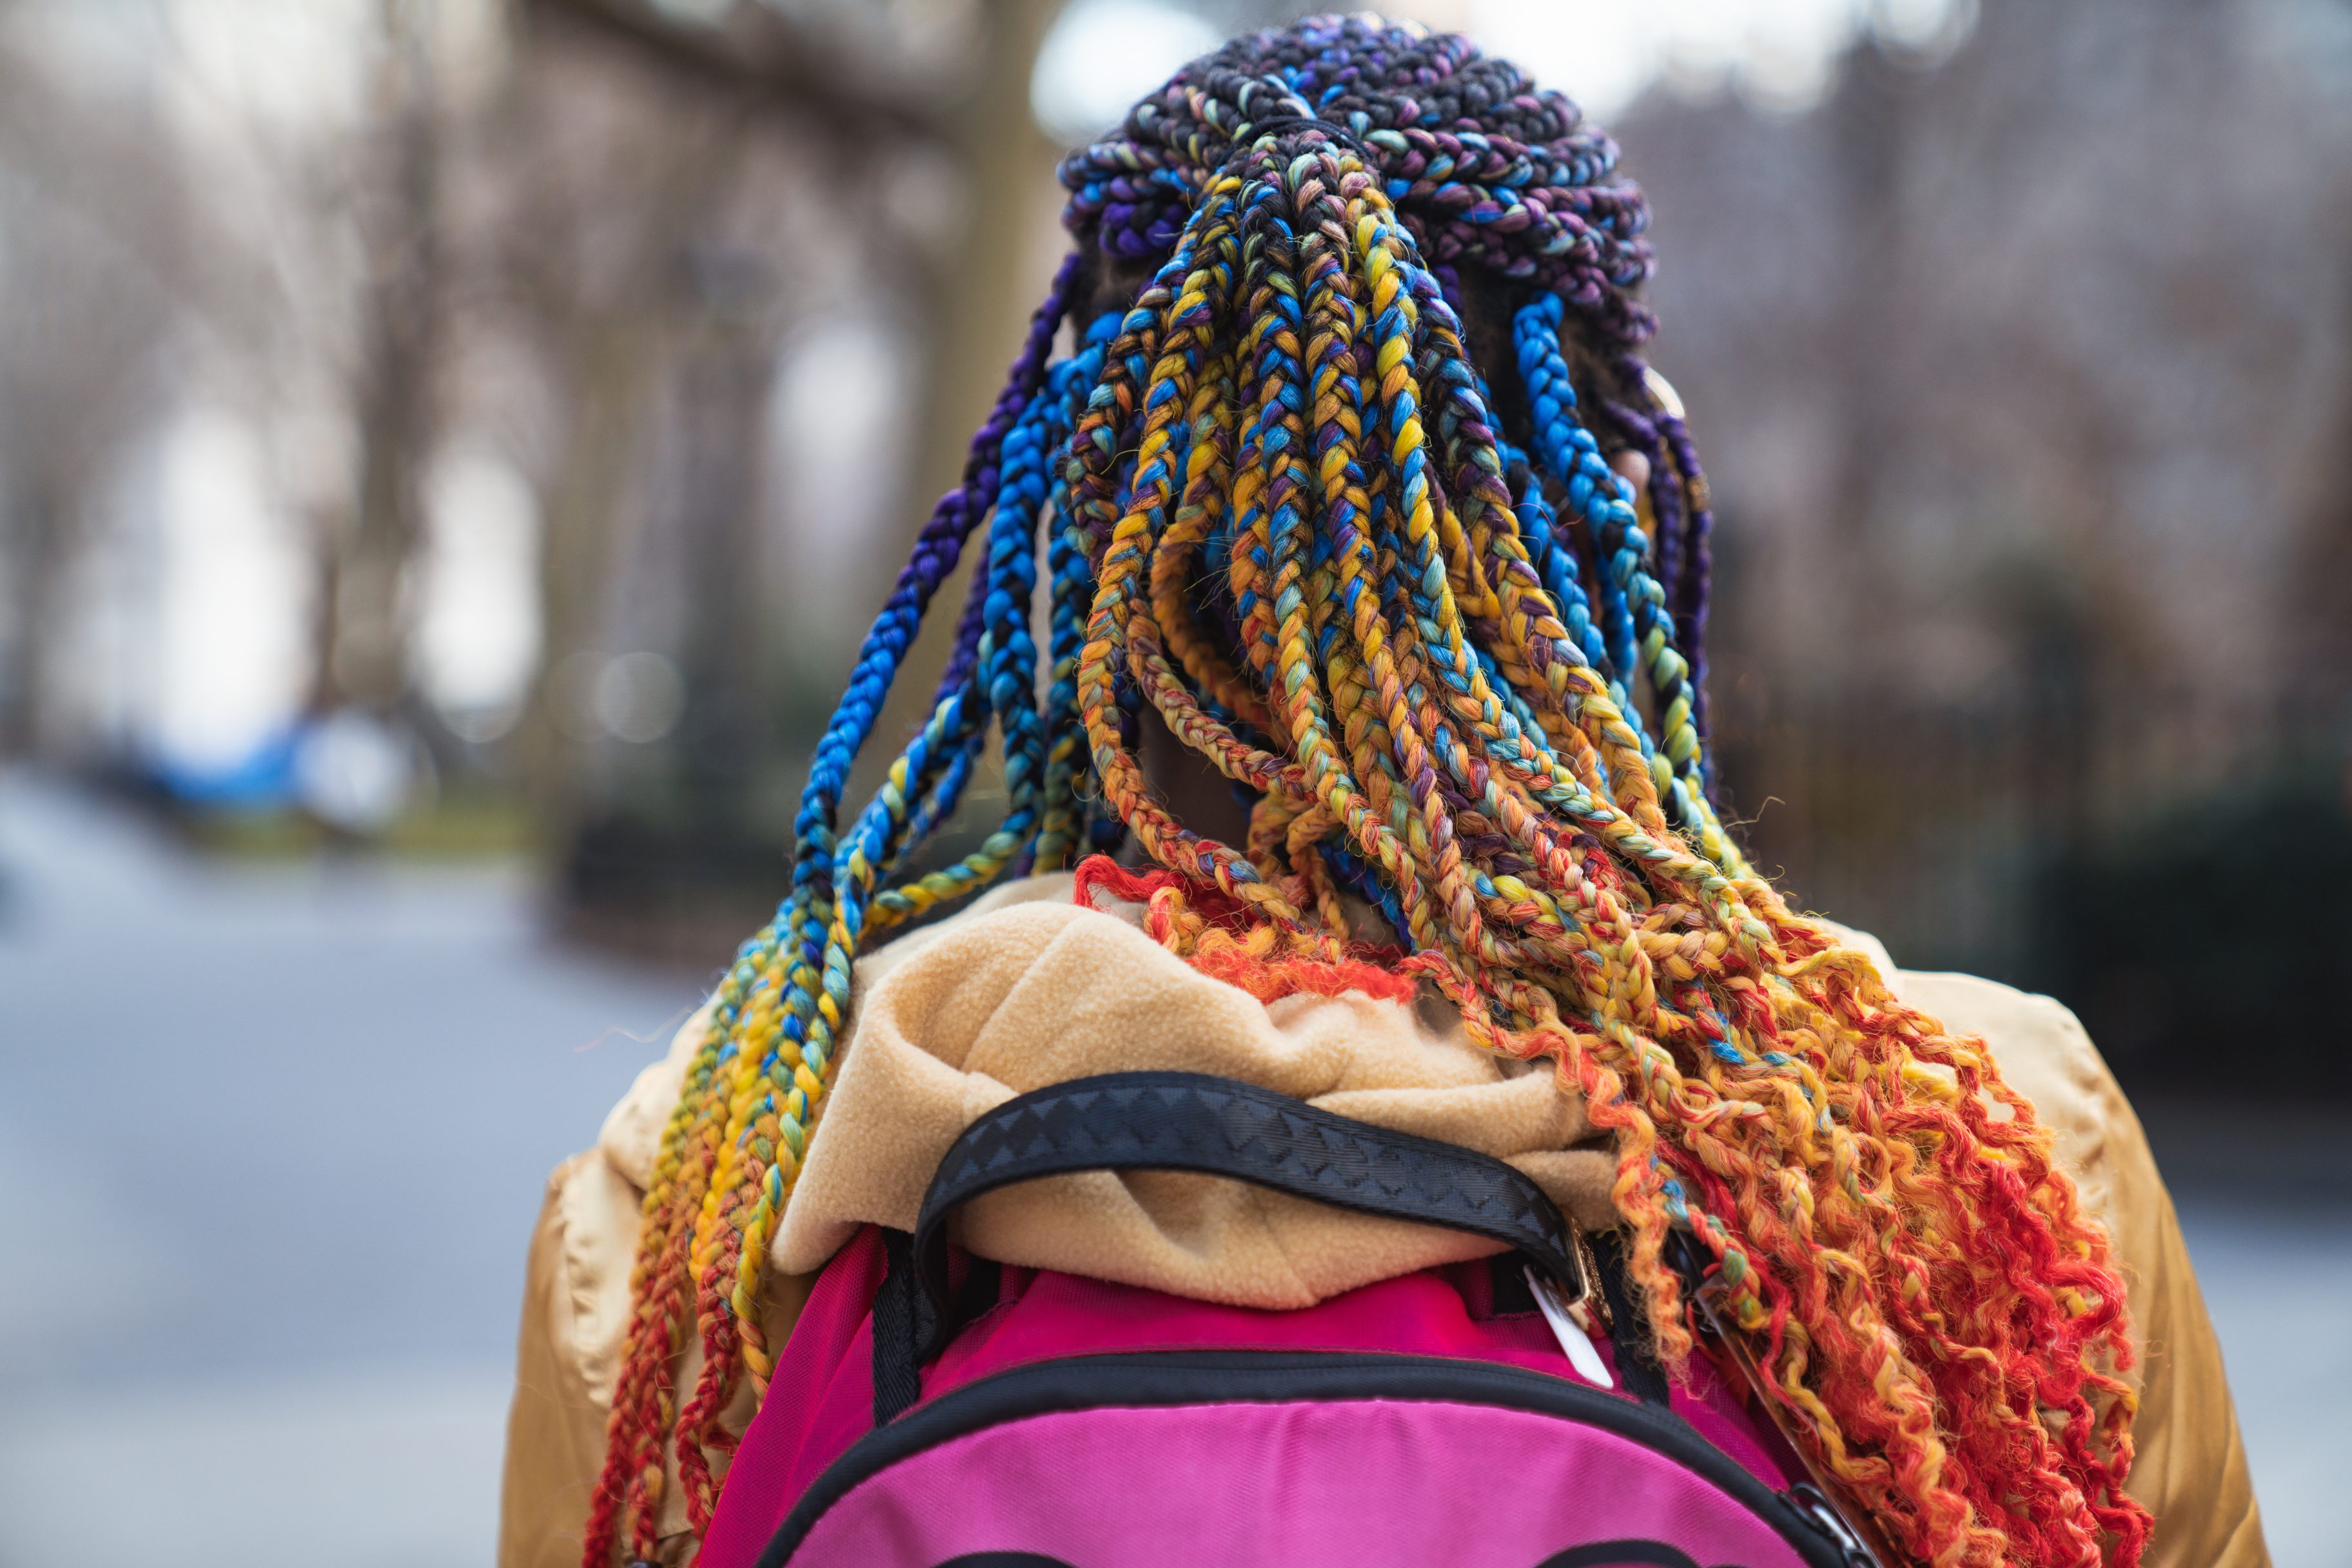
[{"x": 1221, "y": 1127}]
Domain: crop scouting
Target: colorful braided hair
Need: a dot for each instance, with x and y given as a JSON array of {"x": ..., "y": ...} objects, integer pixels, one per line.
[{"x": 1395, "y": 592}]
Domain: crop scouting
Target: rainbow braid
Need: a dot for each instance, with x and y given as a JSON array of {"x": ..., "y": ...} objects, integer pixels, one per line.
[
  {"x": 1677, "y": 494},
  {"x": 1416, "y": 618},
  {"x": 730, "y": 1149}
]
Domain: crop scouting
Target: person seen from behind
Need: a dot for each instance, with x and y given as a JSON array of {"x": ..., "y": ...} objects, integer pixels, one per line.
[{"x": 1334, "y": 656}]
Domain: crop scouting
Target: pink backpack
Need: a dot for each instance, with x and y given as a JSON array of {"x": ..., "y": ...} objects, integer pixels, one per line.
[{"x": 932, "y": 1410}]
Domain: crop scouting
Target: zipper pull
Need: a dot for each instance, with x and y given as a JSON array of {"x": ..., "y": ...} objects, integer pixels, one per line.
[{"x": 1571, "y": 1325}]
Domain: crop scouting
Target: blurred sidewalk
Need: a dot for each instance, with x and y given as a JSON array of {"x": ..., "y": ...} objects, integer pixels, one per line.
[
  {"x": 2264, "y": 1193},
  {"x": 271, "y": 1140}
]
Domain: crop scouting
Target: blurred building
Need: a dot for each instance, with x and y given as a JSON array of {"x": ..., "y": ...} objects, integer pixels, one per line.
[{"x": 2023, "y": 368}]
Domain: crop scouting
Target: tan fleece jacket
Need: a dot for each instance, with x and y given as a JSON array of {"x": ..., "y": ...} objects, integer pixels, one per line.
[{"x": 1026, "y": 989}]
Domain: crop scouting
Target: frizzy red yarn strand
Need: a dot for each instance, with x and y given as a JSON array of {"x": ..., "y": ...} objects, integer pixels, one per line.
[{"x": 1404, "y": 603}]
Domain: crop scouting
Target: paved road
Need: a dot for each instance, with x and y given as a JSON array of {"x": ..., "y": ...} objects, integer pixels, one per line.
[{"x": 271, "y": 1140}]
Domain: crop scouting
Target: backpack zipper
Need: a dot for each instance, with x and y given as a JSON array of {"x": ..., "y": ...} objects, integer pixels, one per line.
[{"x": 1175, "y": 1378}]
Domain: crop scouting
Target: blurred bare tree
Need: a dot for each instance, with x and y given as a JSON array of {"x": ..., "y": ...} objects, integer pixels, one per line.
[
  {"x": 97, "y": 252},
  {"x": 396, "y": 204},
  {"x": 630, "y": 256},
  {"x": 682, "y": 207}
]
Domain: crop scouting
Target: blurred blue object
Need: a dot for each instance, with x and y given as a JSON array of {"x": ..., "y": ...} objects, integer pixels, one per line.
[{"x": 262, "y": 779}]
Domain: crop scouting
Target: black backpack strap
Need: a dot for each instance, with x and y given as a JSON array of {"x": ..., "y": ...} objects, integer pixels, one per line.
[
  {"x": 1629, "y": 1335},
  {"x": 901, "y": 1326},
  {"x": 905, "y": 1321},
  {"x": 1221, "y": 1127}
]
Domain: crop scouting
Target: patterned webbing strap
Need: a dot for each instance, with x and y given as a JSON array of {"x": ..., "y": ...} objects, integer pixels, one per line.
[{"x": 1223, "y": 1127}]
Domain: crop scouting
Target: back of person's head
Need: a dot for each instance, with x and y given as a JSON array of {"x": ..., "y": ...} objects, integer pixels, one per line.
[{"x": 1322, "y": 484}]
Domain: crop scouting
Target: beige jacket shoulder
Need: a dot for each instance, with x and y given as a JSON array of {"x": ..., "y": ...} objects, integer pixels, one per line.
[{"x": 1013, "y": 995}]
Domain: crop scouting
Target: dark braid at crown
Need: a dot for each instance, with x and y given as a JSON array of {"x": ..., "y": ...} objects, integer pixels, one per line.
[{"x": 1488, "y": 172}]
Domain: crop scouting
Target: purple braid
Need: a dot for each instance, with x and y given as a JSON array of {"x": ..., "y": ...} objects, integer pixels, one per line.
[
  {"x": 987, "y": 446},
  {"x": 1664, "y": 492},
  {"x": 1691, "y": 591}
]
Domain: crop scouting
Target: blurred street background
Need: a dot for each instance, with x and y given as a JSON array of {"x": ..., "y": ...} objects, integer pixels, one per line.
[{"x": 448, "y": 449}]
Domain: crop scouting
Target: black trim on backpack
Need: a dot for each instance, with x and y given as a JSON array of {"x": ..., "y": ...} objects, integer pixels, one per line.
[
  {"x": 1261, "y": 1377},
  {"x": 1617, "y": 1554},
  {"x": 1222, "y": 1127}
]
